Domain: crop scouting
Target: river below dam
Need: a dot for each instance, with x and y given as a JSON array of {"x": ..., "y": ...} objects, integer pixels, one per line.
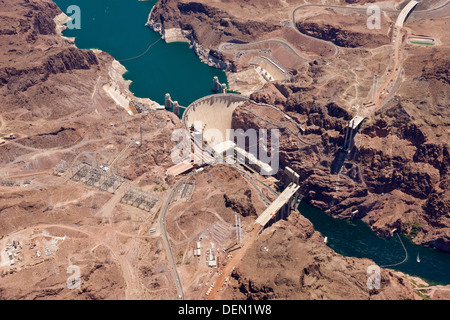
[
  {"x": 118, "y": 27},
  {"x": 356, "y": 239}
]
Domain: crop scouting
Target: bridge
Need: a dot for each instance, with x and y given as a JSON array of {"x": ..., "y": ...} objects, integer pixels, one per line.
[
  {"x": 405, "y": 12},
  {"x": 282, "y": 204},
  {"x": 350, "y": 131}
]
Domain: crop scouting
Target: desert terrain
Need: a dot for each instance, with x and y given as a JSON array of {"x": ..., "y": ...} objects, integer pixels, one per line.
[
  {"x": 396, "y": 173},
  {"x": 84, "y": 183}
]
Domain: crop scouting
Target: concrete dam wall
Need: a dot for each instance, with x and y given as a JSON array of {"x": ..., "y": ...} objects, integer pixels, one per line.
[{"x": 213, "y": 112}]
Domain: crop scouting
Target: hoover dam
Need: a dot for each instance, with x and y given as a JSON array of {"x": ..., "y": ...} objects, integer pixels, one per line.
[
  {"x": 87, "y": 186},
  {"x": 214, "y": 113}
]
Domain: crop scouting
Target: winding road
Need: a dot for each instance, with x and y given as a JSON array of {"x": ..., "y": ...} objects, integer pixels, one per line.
[
  {"x": 420, "y": 14},
  {"x": 165, "y": 238},
  {"x": 224, "y": 47}
]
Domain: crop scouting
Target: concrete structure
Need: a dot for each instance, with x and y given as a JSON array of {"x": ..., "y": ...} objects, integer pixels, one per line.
[
  {"x": 217, "y": 86},
  {"x": 291, "y": 175},
  {"x": 283, "y": 204},
  {"x": 404, "y": 13},
  {"x": 176, "y": 108},
  {"x": 197, "y": 251},
  {"x": 233, "y": 154},
  {"x": 355, "y": 122},
  {"x": 351, "y": 130},
  {"x": 239, "y": 230},
  {"x": 237, "y": 222},
  {"x": 225, "y": 149},
  {"x": 167, "y": 101},
  {"x": 212, "y": 112},
  {"x": 209, "y": 121},
  {"x": 179, "y": 168},
  {"x": 236, "y": 225},
  {"x": 252, "y": 162},
  {"x": 211, "y": 259}
]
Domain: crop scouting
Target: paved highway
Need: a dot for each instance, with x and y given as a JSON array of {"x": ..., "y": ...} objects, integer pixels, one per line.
[
  {"x": 421, "y": 14},
  {"x": 162, "y": 224},
  {"x": 404, "y": 13},
  {"x": 233, "y": 46},
  {"x": 276, "y": 205}
]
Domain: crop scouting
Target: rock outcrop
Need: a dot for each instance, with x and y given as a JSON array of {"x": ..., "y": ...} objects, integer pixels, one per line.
[
  {"x": 241, "y": 202},
  {"x": 291, "y": 261},
  {"x": 397, "y": 165}
]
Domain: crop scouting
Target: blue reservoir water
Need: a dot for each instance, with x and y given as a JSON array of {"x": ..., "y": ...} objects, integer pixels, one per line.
[{"x": 118, "y": 27}]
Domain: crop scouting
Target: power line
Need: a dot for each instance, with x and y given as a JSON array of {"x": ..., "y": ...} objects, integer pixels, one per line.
[
  {"x": 404, "y": 260},
  {"x": 142, "y": 54}
]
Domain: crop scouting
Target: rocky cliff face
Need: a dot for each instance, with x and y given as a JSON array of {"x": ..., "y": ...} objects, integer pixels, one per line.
[
  {"x": 291, "y": 261},
  {"x": 53, "y": 102},
  {"x": 396, "y": 173},
  {"x": 341, "y": 36},
  {"x": 210, "y": 26},
  {"x": 20, "y": 78},
  {"x": 33, "y": 35},
  {"x": 205, "y": 28},
  {"x": 241, "y": 202}
]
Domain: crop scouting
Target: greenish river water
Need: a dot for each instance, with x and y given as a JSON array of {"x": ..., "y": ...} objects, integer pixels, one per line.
[
  {"x": 118, "y": 27},
  {"x": 356, "y": 239}
]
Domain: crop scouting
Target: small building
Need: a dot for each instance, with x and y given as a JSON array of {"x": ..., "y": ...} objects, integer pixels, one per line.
[
  {"x": 211, "y": 259},
  {"x": 213, "y": 263},
  {"x": 197, "y": 251},
  {"x": 252, "y": 161}
]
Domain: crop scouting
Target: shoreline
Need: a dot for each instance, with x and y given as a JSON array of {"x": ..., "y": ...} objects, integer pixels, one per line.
[
  {"x": 180, "y": 35},
  {"x": 245, "y": 81},
  {"x": 117, "y": 88}
]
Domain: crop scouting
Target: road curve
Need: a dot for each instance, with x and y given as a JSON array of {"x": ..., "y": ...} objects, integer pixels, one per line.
[
  {"x": 421, "y": 14},
  {"x": 404, "y": 13},
  {"x": 225, "y": 46}
]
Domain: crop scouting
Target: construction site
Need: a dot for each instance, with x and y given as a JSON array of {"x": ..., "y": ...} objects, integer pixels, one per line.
[{"x": 87, "y": 177}]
